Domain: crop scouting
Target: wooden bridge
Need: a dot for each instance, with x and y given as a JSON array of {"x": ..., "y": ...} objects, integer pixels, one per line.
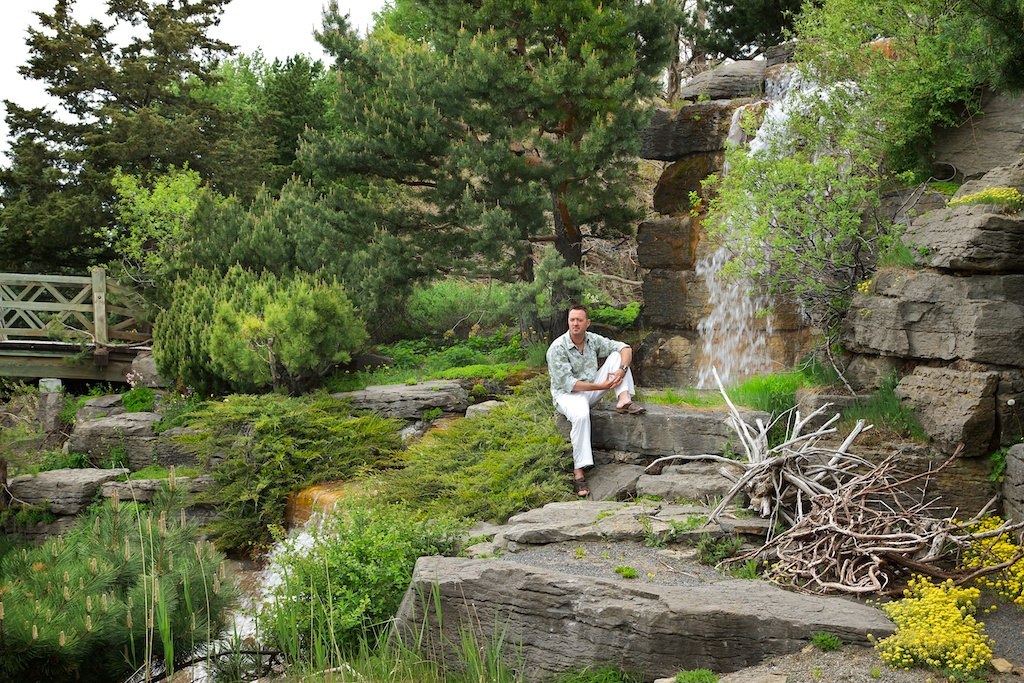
[{"x": 71, "y": 327}]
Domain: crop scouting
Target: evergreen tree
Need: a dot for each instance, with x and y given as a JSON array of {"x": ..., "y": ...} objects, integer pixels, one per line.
[
  {"x": 512, "y": 123},
  {"x": 129, "y": 106},
  {"x": 738, "y": 29}
]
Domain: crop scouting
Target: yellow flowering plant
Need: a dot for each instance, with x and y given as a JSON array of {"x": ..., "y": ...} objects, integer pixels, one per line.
[
  {"x": 936, "y": 629},
  {"x": 1009, "y": 197},
  {"x": 991, "y": 551}
]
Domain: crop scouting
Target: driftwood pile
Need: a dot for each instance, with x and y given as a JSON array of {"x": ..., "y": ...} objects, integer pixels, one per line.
[{"x": 851, "y": 526}]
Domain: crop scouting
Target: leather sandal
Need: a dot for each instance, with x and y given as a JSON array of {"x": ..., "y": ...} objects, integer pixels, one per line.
[
  {"x": 581, "y": 487},
  {"x": 631, "y": 409}
]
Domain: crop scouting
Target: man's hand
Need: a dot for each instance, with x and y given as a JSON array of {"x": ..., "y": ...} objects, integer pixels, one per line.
[{"x": 614, "y": 379}]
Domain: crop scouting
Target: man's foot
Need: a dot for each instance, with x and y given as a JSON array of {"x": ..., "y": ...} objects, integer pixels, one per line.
[
  {"x": 630, "y": 408},
  {"x": 580, "y": 484}
]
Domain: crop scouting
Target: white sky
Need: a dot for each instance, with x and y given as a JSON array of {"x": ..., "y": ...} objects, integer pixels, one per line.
[{"x": 279, "y": 28}]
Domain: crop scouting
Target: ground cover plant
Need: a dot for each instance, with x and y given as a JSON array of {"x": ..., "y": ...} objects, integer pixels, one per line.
[
  {"x": 488, "y": 468},
  {"x": 270, "y": 446},
  {"x": 127, "y": 587}
]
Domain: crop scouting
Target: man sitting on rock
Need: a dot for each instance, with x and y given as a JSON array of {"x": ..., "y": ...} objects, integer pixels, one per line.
[{"x": 577, "y": 383}]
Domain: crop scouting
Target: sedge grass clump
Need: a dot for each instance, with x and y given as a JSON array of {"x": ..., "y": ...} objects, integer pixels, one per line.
[
  {"x": 345, "y": 583},
  {"x": 936, "y": 629},
  {"x": 986, "y": 552}
]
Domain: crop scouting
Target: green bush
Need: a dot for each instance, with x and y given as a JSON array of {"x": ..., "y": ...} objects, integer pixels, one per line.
[
  {"x": 448, "y": 306},
  {"x": 247, "y": 331},
  {"x": 825, "y": 641},
  {"x": 711, "y": 550},
  {"x": 696, "y": 676},
  {"x": 503, "y": 462},
  {"x": 596, "y": 674},
  {"x": 885, "y": 410},
  {"x": 348, "y": 582},
  {"x": 139, "y": 400},
  {"x": 125, "y": 587},
  {"x": 270, "y": 446},
  {"x": 616, "y": 317}
]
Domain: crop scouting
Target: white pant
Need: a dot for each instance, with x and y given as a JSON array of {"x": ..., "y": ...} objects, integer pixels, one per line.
[{"x": 576, "y": 408}]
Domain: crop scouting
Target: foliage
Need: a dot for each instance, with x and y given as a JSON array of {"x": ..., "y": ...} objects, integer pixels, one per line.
[
  {"x": 126, "y": 101},
  {"x": 825, "y": 641},
  {"x": 139, "y": 400},
  {"x": 127, "y": 586},
  {"x": 160, "y": 472},
  {"x": 271, "y": 446},
  {"x": 987, "y": 552},
  {"x": 739, "y": 30},
  {"x": 773, "y": 394},
  {"x": 348, "y": 582},
  {"x": 513, "y": 121},
  {"x": 284, "y": 333},
  {"x": 885, "y": 410},
  {"x": 711, "y": 550},
  {"x": 616, "y": 317},
  {"x": 246, "y": 331},
  {"x": 176, "y": 408},
  {"x": 896, "y": 255},
  {"x": 1008, "y": 197},
  {"x": 626, "y": 572},
  {"x": 916, "y": 65},
  {"x": 749, "y": 570},
  {"x": 696, "y": 676},
  {"x": 936, "y": 628},
  {"x": 505, "y": 461},
  {"x": 800, "y": 199},
  {"x": 443, "y": 306},
  {"x": 153, "y": 214}
]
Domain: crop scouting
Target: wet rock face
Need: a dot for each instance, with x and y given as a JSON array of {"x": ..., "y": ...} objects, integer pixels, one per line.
[{"x": 675, "y": 133}]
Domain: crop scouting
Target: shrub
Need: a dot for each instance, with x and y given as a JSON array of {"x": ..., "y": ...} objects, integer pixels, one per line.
[
  {"x": 936, "y": 628},
  {"x": 696, "y": 676},
  {"x": 124, "y": 586},
  {"x": 446, "y": 305},
  {"x": 712, "y": 550},
  {"x": 348, "y": 581},
  {"x": 884, "y": 409},
  {"x": 985, "y": 552},
  {"x": 1008, "y": 197},
  {"x": 139, "y": 400},
  {"x": 595, "y": 674},
  {"x": 626, "y": 572},
  {"x": 616, "y": 317},
  {"x": 826, "y": 642},
  {"x": 505, "y": 461},
  {"x": 271, "y": 446}
]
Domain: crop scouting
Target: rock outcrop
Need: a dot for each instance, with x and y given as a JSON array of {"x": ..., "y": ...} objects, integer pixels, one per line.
[
  {"x": 62, "y": 492},
  {"x": 953, "y": 326},
  {"x": 560, "y": 621},
  {"x": 410, "y": 401}
]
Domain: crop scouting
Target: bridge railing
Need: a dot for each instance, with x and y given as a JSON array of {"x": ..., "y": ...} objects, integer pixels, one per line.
[{"x": 70, "y": 308}]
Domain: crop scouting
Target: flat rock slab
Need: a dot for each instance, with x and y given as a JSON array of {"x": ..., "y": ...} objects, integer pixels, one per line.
[
  {"x": 409, "y": 401},
  {"x": 663, "y": 430},
  {"x": 690, "y": 481},
  {"x": 615, "y": 481},
  {"x": 65, "y": 492},
  {"x": 556, "y": 621},
  {"x": 968, "y": 238}
]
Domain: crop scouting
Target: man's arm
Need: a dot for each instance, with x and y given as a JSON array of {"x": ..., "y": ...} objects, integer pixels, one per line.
[{"x": 614, "y": 379}]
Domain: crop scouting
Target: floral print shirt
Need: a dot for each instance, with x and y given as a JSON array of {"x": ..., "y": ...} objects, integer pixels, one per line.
[{"x": 566, "y": 365}]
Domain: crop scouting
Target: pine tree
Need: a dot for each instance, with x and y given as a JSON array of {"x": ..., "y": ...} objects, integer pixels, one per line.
[
  {"x": 130, "y": 107},
  {"x": 512, "y": 123},
  {"x": 739, "y": 29}
]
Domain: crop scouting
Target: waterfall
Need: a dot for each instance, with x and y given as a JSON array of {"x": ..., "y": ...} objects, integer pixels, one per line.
[{"x": 734, "y": 341}]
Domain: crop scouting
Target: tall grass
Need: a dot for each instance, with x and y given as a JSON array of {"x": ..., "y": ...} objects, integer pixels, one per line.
[{"x": 885, "y": 410}]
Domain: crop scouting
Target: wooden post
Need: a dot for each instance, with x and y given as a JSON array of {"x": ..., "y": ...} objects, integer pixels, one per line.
[{"x": 99, "y": 305}]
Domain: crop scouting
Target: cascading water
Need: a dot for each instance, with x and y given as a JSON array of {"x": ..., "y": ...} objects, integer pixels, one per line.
[{"x": 734, "y": 341}]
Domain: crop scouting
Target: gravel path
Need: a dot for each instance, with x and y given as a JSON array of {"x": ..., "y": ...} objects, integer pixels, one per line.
[{"x": 678, "y": 567}]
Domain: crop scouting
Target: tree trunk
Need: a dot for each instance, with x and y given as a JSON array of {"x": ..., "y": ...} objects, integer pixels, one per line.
[
  {"x": 675, "y": 67},
  {"x": 569, "y": 245}
]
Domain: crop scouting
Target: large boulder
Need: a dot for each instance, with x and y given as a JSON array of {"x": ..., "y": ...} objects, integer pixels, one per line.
[
  {"x": 689, "y": 481},
  {"x": 1013, "y": 484},
  {"x": 993, "y": 137},
  {"x": 674, "y": 299},
  {"x": 953, "y": 407},
  {"x": 936, "y": 316},
  {"x": 409, "y": 401},
  {"x": 743, "y": 78},
  {"x": 63, "y": 492},
  {"x": 667, "y": 359},
  {"x": 667, "y": 243},
  {"x": 664, "y": 430},
  {"x": 100, "y": 406},
  {"x": 559, "y": 621},
  {"x": 672, "y": 193},
  {"x": 128, "y": 434},
  {"x": 675, "y": 133},
  {"x": 968, "y": 238}
]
